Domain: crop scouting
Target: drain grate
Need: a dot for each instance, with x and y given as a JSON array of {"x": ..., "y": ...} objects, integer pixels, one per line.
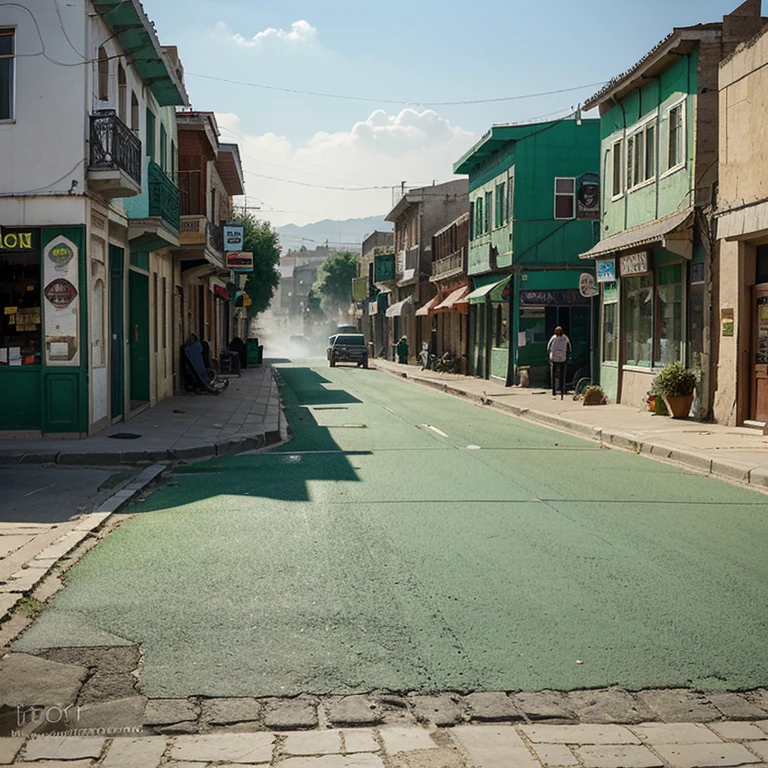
[{"x": 125, "y": 436}]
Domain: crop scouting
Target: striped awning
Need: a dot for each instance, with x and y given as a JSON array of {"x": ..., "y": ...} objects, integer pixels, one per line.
[
  {"x": 478, "y": 295},
  {"x": 425, "y": 309},
  {"x": 400, "y": 308},
  {"x": 453, "y": 297}
]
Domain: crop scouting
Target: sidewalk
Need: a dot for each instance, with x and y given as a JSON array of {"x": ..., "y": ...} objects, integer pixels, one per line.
[
  {"x": 736, "y": 454},
  {"x": 503, "y": 745},
  {"x": 188, "y": 427}
]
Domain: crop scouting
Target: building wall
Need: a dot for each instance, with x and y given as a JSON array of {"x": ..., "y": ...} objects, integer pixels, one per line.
[{"x": 669, "y": 192}]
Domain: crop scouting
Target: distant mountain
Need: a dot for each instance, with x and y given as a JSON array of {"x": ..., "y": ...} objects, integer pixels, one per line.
[{"x": 340, "y": 235}]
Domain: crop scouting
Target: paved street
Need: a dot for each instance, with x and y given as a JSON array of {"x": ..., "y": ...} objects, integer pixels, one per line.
[{"x": 406, "y": 540}]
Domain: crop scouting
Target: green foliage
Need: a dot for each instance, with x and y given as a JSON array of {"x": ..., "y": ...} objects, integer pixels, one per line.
[
  {"x": 334, "y": 279},
  {"x": 675, "y": 381},
  {"x": 264, "y": 243},
  {"x": 446, "y": 366},
  {"x": 29, "y": 607}
]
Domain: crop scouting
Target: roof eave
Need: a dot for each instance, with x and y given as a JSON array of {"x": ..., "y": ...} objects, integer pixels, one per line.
[{"x": 681, "y": 41}]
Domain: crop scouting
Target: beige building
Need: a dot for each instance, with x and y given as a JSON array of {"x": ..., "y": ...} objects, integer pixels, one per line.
[{"x": 741, "y": 342}]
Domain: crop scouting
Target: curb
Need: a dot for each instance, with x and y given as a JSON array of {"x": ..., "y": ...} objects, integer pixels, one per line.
[
  {"x": 23, "y": 582},
  {"x": 740, "y": 473}
]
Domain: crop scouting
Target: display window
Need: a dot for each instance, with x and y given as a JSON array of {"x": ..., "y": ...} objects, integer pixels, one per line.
[
  {"x": 20, "y": 305},
  {"x": 668, "y": 338},
  {"x": 610, "y": 323},
  {"x": 638, "y": 320}
]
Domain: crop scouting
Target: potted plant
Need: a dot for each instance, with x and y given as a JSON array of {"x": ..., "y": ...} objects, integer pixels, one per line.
[{"x": 676, "y": 384}]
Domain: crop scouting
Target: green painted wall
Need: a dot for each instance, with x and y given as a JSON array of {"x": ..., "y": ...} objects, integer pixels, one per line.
[
  {"x": 666, "y": 194},
  {"x": 534, "y": 237}
]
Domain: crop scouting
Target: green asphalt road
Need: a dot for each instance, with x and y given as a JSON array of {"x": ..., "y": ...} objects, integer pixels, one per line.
[{"x": 373, "y": 552}]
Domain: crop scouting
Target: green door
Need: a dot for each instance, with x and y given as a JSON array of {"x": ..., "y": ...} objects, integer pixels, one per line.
[
  {"x": 138, "y": 336},
  {"x": 116, "y": 330}
]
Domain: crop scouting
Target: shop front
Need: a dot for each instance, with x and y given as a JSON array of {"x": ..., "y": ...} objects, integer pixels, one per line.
[
  {"x": 43, "y": 382},
  {"x": 652, "y": 314}
]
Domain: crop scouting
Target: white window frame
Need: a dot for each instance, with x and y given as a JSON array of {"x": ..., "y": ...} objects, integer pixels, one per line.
[
  {"x": 563, "y": 194},
  {"x": 683, "y": 104},
  {"x": 617, "y": 154},
  {"x": 633, "y": 134},
  {"x": 13, "y": 58}
]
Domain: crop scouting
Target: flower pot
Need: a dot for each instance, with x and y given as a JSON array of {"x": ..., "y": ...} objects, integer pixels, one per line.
[{"x": 679, "y": 407}]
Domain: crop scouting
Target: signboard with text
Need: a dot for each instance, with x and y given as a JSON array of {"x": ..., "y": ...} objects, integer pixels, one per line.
[
  {"x": 234, "y": 238},
  {"x": 634, "y": 264},
  {"x": 240, "y": 261}
]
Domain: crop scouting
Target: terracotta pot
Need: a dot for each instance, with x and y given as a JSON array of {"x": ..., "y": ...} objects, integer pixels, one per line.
[{"x": 679, "y": 407}]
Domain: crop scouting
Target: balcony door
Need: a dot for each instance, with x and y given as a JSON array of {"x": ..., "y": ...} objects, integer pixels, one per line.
[{"x": 116, "y": 331}]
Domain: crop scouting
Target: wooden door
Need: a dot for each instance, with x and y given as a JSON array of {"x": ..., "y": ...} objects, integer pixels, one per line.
[{"x": 760, "y": 352}]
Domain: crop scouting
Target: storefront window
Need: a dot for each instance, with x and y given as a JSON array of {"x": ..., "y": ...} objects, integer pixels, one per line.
[
  {"x": 610, "y": 324},
  {"x": 20, "y": 329},
  {"x": 501, "y": 326},
  {"x": 638, "y": 320},
  {"x": 669, "y": 316}
]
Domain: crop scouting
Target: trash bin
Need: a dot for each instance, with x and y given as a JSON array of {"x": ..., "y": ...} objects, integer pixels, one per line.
[{"x": 255, "y": 352}]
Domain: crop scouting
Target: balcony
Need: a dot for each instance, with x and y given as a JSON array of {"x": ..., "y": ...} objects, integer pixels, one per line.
[
  {"x": 161, "y": 228},
  {"x": 196, "y": 233},
  {"x": 114, "y": 169},
  {"x": 449, "y": 266},
  {"x": 408, "y": 265},
  {"x": 384, "y": 268}
]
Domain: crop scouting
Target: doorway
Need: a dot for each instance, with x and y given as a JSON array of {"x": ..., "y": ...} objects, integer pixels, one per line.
[
  {"x": 138, "y": 340},
  {"x": 759, "y": 377},
  {"x": 116, "y": 332}
]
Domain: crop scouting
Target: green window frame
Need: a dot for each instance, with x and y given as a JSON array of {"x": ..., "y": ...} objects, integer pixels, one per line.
[
  {"x": 151, "y": 141},
  {"x": 501, "y": 204},
  {"x": 7, "y": 77},
  {"x": 488, "y": 223}
]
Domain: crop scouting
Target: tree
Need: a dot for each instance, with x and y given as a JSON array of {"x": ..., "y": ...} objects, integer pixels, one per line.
[
  {"x": 334, "y": 279},
  {"x": 261, "y": 240}
]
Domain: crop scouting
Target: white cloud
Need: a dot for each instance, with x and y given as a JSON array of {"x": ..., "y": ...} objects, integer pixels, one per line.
[
  {"x": 300, "y": 33},
  {"x": 382, "y": 150}
]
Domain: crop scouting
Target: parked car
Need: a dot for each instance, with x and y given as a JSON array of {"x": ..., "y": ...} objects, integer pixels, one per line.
[
  {"x": 348, "y": 348},
  {"x": 331, "y": 339}
]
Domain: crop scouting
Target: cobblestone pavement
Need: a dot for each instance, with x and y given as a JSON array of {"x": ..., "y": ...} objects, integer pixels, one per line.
[{"x": 645, "y": 745}]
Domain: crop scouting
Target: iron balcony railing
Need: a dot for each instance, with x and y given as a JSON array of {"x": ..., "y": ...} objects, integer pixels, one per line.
[
  {"x": 449, "y": 265},
  {"x": 164, "y": 198},
  {"x": 114, "y": 145}
]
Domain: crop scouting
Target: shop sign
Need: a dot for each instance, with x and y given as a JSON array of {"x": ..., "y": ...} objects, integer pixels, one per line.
[
  {"x": 588, "y": 197},
  {"x": 240, "y": 261},
  {"x": 587, "y": 285},
  {"x": 234, "y": 238},
  {"x": 61, "y": 255},
  {"x": 16, "y": 241},
  {"x": 634, "y": 264},
  {"x": 606, "y": 271},
  {"x": 551, "y": 298},
  {"x": 61, "y": 293}
]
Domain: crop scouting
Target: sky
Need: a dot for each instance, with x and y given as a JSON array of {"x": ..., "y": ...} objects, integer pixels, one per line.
[{"x": 309, "y": 157}]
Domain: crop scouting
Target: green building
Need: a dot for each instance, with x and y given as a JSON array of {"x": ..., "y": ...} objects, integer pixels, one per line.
[
  {"x": 534, "y": 208},
  {"x": 659, "y": 166}
]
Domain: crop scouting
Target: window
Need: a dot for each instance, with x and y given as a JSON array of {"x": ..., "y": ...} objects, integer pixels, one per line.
[
  {"x": 641, "y": 155},
  {"x": 610, "y": 323},
  {"x": 20, "y": 297},
  {"x": 676, "y": 136},
  {"x": 488, "y": 223},
  {"x": 479, "y": 216},
  {"x": 7, "y": 54},
  {"x": 637, "y": 320},
  {"x": 173, "y": 161},
  {"x": 163, "y": 149},
  {"x": 565, "y": 198},
  {"x": 616, "y": 158},
  {"x": 134, "y": 113},
  {"x": 150, "y": 134},
  {"x": 501, "y": 204},
  {"x": 122, "y": 93},
  {"x": 668, "y": 339},
  {"x": 472, "y": 220},
  {"x": 103, "y": 75}
]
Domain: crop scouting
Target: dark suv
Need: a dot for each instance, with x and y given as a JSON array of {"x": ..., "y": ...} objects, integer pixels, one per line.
[{"x": 348, "y": 348}]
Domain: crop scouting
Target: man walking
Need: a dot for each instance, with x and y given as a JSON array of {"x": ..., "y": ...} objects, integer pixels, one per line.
[{"x": 559, "y": 350}]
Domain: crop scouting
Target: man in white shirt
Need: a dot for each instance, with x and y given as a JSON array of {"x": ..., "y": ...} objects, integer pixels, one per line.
[{"x": 558, "y": 350}]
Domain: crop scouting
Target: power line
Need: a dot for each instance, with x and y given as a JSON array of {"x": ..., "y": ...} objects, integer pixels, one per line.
[{"x": 405, "y": 102}]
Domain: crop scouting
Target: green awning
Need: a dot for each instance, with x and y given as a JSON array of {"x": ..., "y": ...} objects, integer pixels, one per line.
[{"x": 478, "y": 295}]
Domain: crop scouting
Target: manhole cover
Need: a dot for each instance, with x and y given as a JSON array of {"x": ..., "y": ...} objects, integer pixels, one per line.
[{"x": 124, "y": 436}]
